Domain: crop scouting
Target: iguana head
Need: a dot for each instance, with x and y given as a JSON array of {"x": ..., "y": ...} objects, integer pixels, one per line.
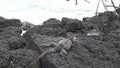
[{"x": 74, "y": 38}]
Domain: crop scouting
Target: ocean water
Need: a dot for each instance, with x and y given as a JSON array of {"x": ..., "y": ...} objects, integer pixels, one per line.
[{"x": 37, "y": 11}]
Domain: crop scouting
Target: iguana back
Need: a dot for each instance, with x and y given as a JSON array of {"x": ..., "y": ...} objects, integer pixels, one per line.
[{"x": 65, "y": 43}]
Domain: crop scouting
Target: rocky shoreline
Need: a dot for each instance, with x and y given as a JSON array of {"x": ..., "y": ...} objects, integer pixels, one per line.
[{"x": 98, "y": 44}]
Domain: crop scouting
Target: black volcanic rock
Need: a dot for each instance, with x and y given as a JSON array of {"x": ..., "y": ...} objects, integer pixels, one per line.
[
  {"x": 104, "y": 22},
  {"x": 87, "y": 52},
  {"x": 4, "y": 55},
  {"x": 72, "y": 25},
  {"x": 52, "y": 21},
  {"x": 51, "y": 27},
  {"x": 10, "y": 22},
  {"x": 50, "y": 31},
  {"x": 11, "y": 30},
  {"x": 10, "y": 39},
  {"x": 26, "y": 26},
  {"x": 118, "y": 10},
  {"x": 2, "y": 18},
  {"x": 23, "y": 57},
  {"x": 97, "y": 53}
]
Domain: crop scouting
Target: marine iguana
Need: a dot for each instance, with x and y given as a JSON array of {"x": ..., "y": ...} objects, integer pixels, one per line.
[{"x": 60, "y": 47}]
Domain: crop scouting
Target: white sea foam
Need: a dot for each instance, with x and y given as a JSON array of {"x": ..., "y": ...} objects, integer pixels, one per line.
[{"x": 37, "y": 11}]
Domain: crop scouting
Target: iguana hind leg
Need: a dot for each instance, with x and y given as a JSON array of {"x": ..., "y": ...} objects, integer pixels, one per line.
[
  {"x": 41, "y": 56},
  {"x": 63, "y": 53}
]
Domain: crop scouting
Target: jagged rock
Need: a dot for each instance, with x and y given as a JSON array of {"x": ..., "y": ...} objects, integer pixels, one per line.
[
  {"x": 72, "y": 25},
  {"x": 10, "y": 22},
  {"x": 11, "y": 30},
  {"x": 104, "y": 22},
  {"x": 11, "y": 36},
  {"x": 53, "y": 31},
  {"x": 10, "y": 39},
  {"x": 51, "y": 27},
  {"x": 52, "y": 21},
  {"x": 44, "y": 39},
  {"x": 86, "y": 19},
  {"x": 4, "y": 55},
  {"x": 118, "y": 10},
  {"x": 96, "y": 53},
  {"x": 87, "y": 52},
  {"x": 46, "y": 30},
  {"x": 4, "y": 61},
  {"x": 2, "y": 18},
  {"x": 6, "y": 36},
  {"x": 27, "y": 25},
  {"x": 23, "y": 57},
  {"x": 16, "y": 42}
]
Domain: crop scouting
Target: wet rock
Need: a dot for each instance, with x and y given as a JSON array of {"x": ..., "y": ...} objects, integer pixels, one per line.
[{"x": 72, "y": 25}]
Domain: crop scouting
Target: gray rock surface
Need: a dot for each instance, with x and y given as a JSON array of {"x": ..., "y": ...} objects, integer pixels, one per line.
[
  {"x": 72, "y": 25},
  {"x": 10, "y": 22},
  {"x": 12, "y": 45},
  {"x": 104, "y": 22},
  {"x": 88, "y": 52},
  {"x": 93, "y": 51}
]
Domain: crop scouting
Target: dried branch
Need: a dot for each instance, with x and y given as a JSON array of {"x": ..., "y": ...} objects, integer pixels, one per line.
[
  {"x": 87, "y": 1},
  {"x": 97, "y": 7},
  {"x": 115, "y": 8},
  {"x": 104, "y": 5},
  {"x": 76, "y": 2},
  {"x": 113, "y": 4}
]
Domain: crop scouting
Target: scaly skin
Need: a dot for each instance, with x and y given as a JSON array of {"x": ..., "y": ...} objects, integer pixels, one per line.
[
  {"x": 42, "y": 55},
  {"x": 61, "y": 47}
]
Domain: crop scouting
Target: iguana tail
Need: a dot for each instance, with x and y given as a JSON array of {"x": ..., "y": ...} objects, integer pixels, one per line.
[{"x": 42, "y": 55}]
